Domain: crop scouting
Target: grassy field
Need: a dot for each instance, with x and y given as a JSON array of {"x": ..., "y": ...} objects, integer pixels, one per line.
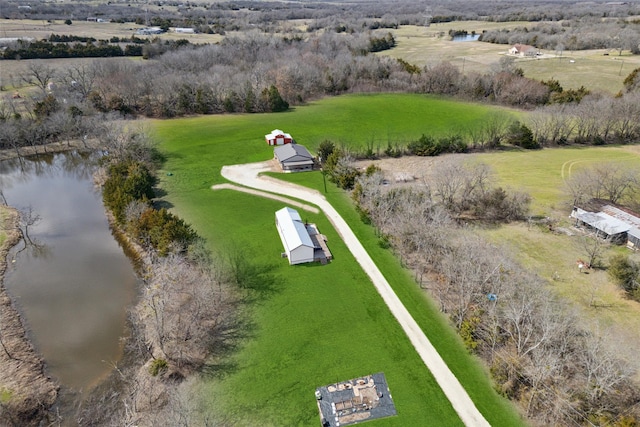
[
  {"x": 356, "y": 121},
  {"x": 313, "y": 325},
  {"x": 591, "y": 69},
  {"x": 542, "y": 173}
]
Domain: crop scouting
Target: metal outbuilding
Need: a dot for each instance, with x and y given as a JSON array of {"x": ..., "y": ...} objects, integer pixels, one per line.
[{"x": 298, "y": 246}]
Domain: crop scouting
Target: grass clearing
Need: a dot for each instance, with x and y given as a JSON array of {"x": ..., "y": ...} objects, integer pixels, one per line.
[
  {"x": 314, "y": 325},
  {"x": 354, "y": 121},
  {"x": 541, "y": 173}
]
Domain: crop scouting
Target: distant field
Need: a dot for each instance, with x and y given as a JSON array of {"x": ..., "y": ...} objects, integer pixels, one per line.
[
  {"x": 102, "y": 31},
  {"x": 313, "y": 325},
  {"x": 431, "y": 45}
]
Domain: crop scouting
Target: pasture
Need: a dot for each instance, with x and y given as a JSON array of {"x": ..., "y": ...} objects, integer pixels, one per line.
[
  {"x": 312, "y": 325},
  {"x": 541, "y": 173},
  {"x": 427, "y": 46}
]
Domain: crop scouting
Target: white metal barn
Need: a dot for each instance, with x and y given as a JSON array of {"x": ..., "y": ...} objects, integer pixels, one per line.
[{"x": 294, "y": 235}]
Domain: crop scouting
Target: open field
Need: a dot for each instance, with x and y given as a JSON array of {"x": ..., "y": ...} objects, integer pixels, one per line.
[
  {"x": 591, "y": 69},
  {"x": 10, "y": 28},
  {"x": 312, "y": 325},
  {"x": 426, "y": 46}
]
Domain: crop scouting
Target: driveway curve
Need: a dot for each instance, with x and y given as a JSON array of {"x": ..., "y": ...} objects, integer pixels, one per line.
[{"x": 249, "y": 175}]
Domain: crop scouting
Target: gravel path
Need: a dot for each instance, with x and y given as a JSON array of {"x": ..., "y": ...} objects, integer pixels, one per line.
[
  {"x": 248, "y": 175},
  {"x": 267, "y": 195}
]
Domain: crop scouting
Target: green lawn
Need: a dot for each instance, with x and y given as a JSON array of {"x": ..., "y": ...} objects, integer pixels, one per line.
[
  {"x": 313, "y": 325},
  {"x": 541, "y": 173}
]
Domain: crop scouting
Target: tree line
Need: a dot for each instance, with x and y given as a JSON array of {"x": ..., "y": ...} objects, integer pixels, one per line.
[
  {"x": 264, "y": 73},
  {"x": 187, "y": 313},
  {"x": 574, "y": 34},
  {"x": 90, "y": 48}
]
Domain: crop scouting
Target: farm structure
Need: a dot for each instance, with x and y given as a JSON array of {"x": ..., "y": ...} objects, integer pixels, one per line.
[
  {"x": 523, "y": 50},
  {"x": 611, "y": 222},
  {"x": 278, "y": 137},
  {"x": 294, "y": 158},
  {"x": 355, "y": 401},
  {"x": 302, "y": 242}
]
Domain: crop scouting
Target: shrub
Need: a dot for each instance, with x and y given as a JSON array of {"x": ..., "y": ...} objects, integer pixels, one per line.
[
  {"x": 425, "y": 146},
  {"x": 127, "y": 182},
  {"x": 158, "y": 366},
  {"x": 160, "y": 230},
  {"x": 625, "y": 273},
  {"x": 520, "y": 135}
]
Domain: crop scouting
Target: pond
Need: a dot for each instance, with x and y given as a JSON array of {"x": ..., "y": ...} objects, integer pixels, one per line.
[
  {"x": 466, "y": 38},
  {"x": 74, "y": 288}
]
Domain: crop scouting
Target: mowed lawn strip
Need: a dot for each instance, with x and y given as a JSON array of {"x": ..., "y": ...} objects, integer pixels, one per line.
[
  {"x": 318, "y": 324},
  {"x": 311, "y": 325},
  {"x": 469, "y": 370}
]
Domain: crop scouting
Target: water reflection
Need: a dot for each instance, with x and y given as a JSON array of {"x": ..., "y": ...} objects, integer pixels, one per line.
[
  {"x": 74, "y": 299},
  {"x": 466, "y": 38}
]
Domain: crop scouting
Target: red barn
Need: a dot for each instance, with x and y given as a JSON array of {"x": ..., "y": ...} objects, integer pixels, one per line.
[{"x": 278, "y": 137}]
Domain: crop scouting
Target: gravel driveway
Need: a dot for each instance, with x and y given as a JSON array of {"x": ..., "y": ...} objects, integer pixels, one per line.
[{"x": 248, "y": 175}]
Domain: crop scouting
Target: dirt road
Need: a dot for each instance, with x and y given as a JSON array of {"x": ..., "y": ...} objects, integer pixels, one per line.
[{"x": 248, "y": 175}]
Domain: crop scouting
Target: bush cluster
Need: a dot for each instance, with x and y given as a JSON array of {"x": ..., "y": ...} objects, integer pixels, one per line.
[
  {"x": 429, "y": 146},
  {"x": 130, "y": 185}
]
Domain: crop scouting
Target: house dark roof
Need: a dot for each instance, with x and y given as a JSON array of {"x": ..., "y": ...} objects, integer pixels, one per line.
[{"x": 292, "y": 153}]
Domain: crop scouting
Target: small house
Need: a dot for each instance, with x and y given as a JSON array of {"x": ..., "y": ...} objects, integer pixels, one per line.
[
  {"x": 298, "y": 247},
  {"x": 278, "y": 137},
  {"x": 294, "y": 158},
  {"x": 523, "y": 50}
]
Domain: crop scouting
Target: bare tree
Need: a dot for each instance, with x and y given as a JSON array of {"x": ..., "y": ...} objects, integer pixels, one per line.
[
  {"x": 612, "y": 181},
  {"x": 186, "y": 313},
  {"x": 39, "y": 75},
  {"x": 80, "y": 79},
  {"x": 27, "y": 219},
  {"x": 594, "y": 246}
]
